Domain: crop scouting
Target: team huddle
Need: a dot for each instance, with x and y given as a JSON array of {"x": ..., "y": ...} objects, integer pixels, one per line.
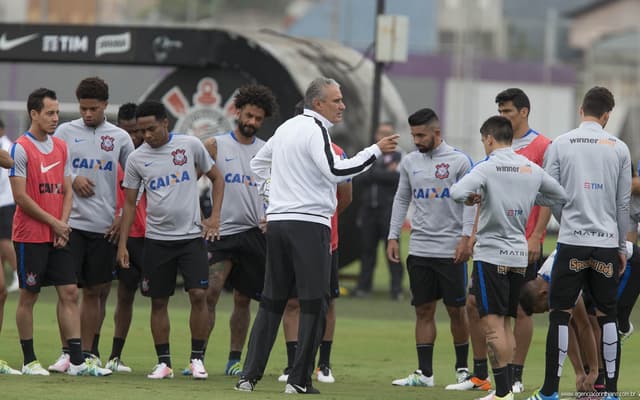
[{"x": 97, "y": 201}]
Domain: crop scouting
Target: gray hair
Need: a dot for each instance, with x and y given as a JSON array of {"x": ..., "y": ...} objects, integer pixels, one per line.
[{"x": 315, "y": 90}]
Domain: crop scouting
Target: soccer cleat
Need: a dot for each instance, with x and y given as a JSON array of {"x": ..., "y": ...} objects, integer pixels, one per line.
[
  {"x": 233, "y": 368},
  {"x": 245, "y": 385},
  {"x": 472, "y": 383},
  {"x": 517, "y": 387},
  {"x": 161, "y": 371},
  {"x": 94, "y": 359},
  {"x": 292, "y": 388},
  {"x": 88, "y": 368},
  {"x": 116, "y": 365},
  {"x": 624, "y": 336},
  {"x": 492, "y": 396},
  {"x": 34, "y": 368},
  {"x": 324, "y": 374},
  {"x": 15, "y": 286},
  {"x": 62, "y": 364},
  {"x": 285, "y": 375},
  {"x": 539, "y": 396},
  {"x": 462, "y": 374},
  {"x": 197, "y": 369},
  {"x": 415, "y": 379},
  {"x": 5, "y": 369}
]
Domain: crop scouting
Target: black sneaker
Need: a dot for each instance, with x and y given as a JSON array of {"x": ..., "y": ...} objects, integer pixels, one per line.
[
  {"x": 292, "y": 388},
  {"x": 245, "y": 385}
]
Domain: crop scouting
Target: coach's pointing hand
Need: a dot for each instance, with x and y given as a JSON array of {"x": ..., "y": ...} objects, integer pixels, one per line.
[{"x": 388, "y": 143}]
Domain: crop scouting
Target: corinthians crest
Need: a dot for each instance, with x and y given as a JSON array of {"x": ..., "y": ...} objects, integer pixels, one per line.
[
  {"x": 179, "y": 157},
  {"x": 206, "y": 115},
  {"x": 442, "y": 171}
]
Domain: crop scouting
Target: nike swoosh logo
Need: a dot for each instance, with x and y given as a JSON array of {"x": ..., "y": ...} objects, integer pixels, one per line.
[
  {"x": 148, "y": 163},
  {"x": 8, "y": 44},
  {"x": 300, "y": 388},
  {"x": 46, "y": 169},
  {"x": 228, "y": 159},
  {"x": 417, "y": 172},
  {"x": 79, "y": 140}
]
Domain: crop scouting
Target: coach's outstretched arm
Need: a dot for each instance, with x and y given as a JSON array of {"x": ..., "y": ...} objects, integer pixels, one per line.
[{"x": 336, "y": 169}]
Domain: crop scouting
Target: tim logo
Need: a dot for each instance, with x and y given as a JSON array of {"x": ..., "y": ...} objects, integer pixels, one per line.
[
  {"x": 108, "y": 143},
  {"x": 32, "y": 279},
  {"x": 442, "y": 171},
  {"x": 593, "y": 186},
  {"x": 179, "y": 157},
  {"x": 514, "y": 213}
]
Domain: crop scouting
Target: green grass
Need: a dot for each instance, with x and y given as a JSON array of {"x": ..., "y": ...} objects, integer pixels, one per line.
[{"x": 374, "y": 344}]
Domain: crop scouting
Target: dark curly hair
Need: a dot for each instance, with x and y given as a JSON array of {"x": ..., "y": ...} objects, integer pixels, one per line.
[
  {"x": 92, "y": 88},
  {"x": 256, "y": 95}
]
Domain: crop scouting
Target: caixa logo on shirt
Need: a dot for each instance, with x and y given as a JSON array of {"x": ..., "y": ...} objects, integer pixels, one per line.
[
  {"x": 90, "y": 163},
  {"x": 168, "y": 180},
  {"x": 239, "y": 178},
  {"x": 431, "y": 193},
  {"x": 50, "y": 188}
]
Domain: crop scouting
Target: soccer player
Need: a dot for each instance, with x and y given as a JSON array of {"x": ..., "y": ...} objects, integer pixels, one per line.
[
  {"x": 514, "y": 104},
  {"x": 96, "y": 147},
  {"x": 298, "y": 172},
  {"x": 41, "y": 185},
  {"x": 7, "y": 209},
  {"x": 5, "y": 162},
  {"x": 129, "y": 278},
  {"x": 500, "y": 253},
  {"x": 240, "y": 254},
  {"x": 594, "y": 167},
  {"x": 167, "y": 165},
  {"x": 439, "y": 244}
]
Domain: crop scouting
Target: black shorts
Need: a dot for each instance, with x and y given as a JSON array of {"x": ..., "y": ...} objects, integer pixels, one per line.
[
  {"x": 6, "y": 221},
  {"x": 130, "y": 277},
  {"x": 496, "y": 288},
  {"x": 593, "y": 268},
  {"x": 41, "y": 264},
  {"x": 334, "y": 285},
  {"x": 163, "y": 259},
  {"x": 433, "y": 278},
  {"x": 94, "y": 257},
  {"x": 629, "y": 286},
  {"x": 247, "y": 252}
]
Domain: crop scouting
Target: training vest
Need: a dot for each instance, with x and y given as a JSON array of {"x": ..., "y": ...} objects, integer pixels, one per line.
[{"x": 45, "y": 188}]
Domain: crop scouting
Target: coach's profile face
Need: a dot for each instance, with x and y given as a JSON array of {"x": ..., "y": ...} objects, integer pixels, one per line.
[
  {"x": 330, "y": 105},
  {"x": 155, "y": 131}
]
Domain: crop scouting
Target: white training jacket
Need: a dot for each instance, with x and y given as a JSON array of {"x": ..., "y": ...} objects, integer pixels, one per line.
[{"x": 297, "y": 170}]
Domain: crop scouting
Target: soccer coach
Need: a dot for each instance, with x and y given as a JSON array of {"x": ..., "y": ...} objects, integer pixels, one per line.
[{"x": 297, "y": 171}]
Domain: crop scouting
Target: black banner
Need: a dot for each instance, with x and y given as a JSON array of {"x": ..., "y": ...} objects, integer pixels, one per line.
[{"x": 111, "y": 44}]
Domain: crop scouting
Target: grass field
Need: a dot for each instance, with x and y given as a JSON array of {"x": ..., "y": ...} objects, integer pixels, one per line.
[{"x": 374, "y": 344}]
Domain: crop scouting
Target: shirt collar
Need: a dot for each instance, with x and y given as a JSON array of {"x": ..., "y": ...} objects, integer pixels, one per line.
[
  {"x": 591, "y": 125},
  {"x": 327, "y": 124}
]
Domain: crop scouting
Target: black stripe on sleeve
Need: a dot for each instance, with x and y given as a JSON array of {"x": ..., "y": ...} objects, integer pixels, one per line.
[{"x": 328, "y": 152}]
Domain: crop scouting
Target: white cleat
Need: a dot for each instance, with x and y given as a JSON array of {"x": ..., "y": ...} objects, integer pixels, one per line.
[
  {"x": 5, "y": 369},
  {"x": 161, "y": 371},
  {"x": 88, "y": 368},
  {"x": 324, "y": 374},
  {"x": 415, "y": 379},
  {"x": 34, "y": 368},
  {"x": 116, "y": 365},
  {"x": 61, "y": 365},
  {"x": 197, "y": 369}
]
